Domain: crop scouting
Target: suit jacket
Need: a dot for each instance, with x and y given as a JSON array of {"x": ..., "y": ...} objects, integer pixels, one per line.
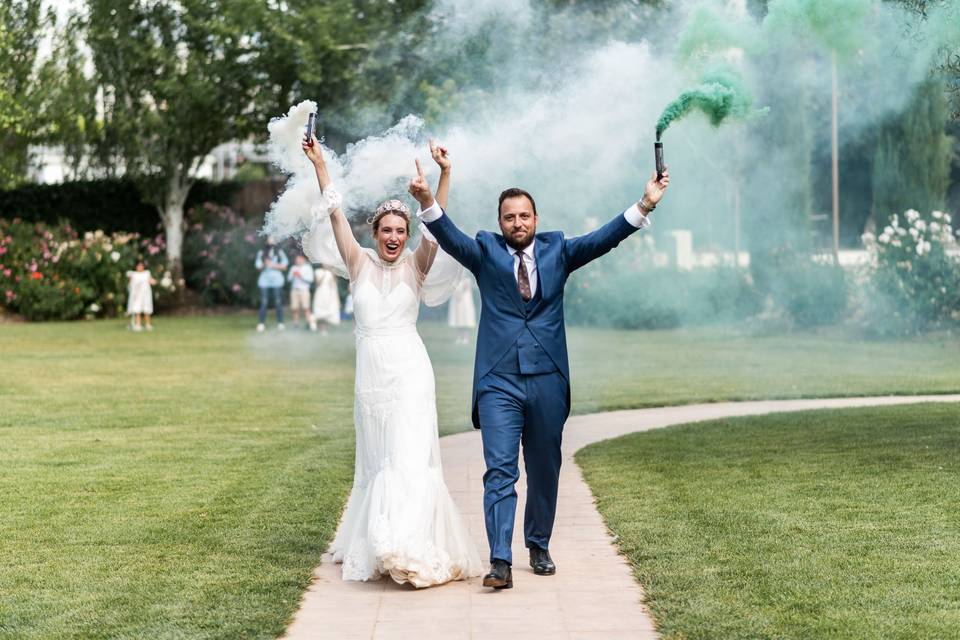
[{"x": 503, "y": 313}]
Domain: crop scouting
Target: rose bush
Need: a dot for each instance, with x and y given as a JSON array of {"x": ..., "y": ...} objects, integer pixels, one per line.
[
  {"x": 913, "y": 283},
  {"x": 52, "y": 273}
]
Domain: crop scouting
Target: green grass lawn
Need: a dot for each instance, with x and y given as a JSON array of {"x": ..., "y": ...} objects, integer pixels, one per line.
[
  {"x": 183, "y": 483},
  {"x": 820, "y": 524}
]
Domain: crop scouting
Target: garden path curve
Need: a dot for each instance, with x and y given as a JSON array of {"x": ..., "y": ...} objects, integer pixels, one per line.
[{"x": 593, "y": 594}]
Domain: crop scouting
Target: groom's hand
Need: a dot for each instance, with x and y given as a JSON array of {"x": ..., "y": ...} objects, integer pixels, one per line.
[
  {"x": 655, "y": 189},
  {"x": 420, "y": 190}
]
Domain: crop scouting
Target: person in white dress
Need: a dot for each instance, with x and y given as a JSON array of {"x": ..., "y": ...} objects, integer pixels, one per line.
[
  {"x": 462, "y": 313},
  {"x": 400, "y": 519},
  {"x": 326, "y": 300},
  {"x": 140, "y": 297}
]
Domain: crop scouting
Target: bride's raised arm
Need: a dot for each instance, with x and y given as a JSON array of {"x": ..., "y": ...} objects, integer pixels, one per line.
[
  {"x": 428, "y": 247},
  {"x": 347, "y": 244}
]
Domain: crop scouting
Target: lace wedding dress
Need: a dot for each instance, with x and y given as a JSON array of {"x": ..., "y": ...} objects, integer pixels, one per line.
[{"x": 400, "y": 519}]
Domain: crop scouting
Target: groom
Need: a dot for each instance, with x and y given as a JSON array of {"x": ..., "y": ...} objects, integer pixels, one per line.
[{"x": 521, "y": 384}]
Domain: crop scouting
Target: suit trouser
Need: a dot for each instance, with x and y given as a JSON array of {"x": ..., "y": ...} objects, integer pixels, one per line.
[{"x": 517, "y": 409}]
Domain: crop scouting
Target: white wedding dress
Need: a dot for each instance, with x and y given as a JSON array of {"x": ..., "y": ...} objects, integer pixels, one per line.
[{"x": 400, "y": 519}]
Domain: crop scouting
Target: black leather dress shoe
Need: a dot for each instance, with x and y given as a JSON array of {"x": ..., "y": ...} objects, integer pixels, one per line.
[
  {"x": 500, "y": 576},
  {"x": 541, "y": 562}
]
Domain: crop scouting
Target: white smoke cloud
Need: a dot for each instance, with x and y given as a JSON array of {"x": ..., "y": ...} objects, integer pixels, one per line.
[{"x": 581, "y": 141}]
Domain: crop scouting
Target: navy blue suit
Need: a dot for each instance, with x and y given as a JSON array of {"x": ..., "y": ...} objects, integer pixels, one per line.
[{"x": 521, "y": 375}]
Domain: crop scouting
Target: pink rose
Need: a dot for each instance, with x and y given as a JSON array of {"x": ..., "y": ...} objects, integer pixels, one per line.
[{"x": 6, "y": 273}]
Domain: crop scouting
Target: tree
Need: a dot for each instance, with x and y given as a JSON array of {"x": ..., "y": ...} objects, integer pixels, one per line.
[
  {"x": 69, "y": 111},
  {"x": 22, "y": 25},
  {"x": 177, "y": 79},
  {"x": 912, "y": 161},
  {"x": 356, "y": 58}
]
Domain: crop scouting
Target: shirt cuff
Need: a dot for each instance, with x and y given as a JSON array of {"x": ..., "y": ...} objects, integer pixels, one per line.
[
  {"x": 431, "y": 213},
  {"x": 635, "y": 217}
]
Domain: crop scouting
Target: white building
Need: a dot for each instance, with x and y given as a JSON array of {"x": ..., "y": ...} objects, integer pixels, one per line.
[{"x": 48, "y": 164}]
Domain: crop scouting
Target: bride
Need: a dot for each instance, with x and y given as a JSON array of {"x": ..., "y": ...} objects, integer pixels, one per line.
[{"x": 400, "y": 519}]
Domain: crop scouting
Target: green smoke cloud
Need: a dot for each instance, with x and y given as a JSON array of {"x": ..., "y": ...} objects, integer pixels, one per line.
[
  {"x": 710, "y": 29},
  {"x": 842, "y": 26},
  {"x": 722, "y": 94}
]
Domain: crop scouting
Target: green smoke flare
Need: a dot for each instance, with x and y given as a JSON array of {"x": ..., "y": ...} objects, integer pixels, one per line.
[{"x": 721, "y": 95}]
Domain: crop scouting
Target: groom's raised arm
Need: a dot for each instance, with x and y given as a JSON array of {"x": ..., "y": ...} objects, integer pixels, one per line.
[
  {"x": 582, "y": 249},
  {"x": 463, "y": 248}
]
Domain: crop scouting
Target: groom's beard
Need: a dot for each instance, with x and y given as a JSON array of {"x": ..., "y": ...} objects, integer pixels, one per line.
[{"x": 520, "y": 245}]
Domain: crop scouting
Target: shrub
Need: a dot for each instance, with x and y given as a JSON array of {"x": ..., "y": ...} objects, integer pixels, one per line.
[
  {"x": 218, "y": 255},
  {"x": 109, "y": 204},
  {"x": 811, "y": 293},
  {"x": 914, "y": 283},
  {"x": 660, "y": 298}
]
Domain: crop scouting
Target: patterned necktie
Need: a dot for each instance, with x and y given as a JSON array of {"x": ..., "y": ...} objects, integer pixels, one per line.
[{"x": 523, "y": 279}]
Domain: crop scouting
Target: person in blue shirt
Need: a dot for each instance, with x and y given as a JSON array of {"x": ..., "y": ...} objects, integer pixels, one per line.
[{"x": 271, "y": 262}]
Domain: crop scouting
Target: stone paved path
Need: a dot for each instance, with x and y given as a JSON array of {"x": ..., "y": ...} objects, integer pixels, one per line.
[{"x": 593, "y": 594}]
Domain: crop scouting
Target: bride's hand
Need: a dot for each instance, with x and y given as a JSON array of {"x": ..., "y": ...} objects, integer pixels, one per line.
[
  {"x": 312, "y": 150},
  {"x": 420, "y": 190},
  {"x": 440, "y": 155}
]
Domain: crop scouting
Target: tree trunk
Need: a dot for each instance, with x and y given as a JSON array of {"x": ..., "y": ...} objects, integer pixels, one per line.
[{"x": 171, "y": 212}]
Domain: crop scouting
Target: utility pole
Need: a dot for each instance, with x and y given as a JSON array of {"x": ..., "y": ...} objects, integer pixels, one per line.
[{"x": 835, "y": 162}]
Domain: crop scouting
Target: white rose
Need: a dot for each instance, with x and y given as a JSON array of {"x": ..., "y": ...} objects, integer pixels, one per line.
[
  {"x": 935, "y": 227},
  {"x": 920, "y": 224},
  {"x": 114, "y": 255},
  {"x": 938, "y": 214},
  {"x": 912, "y": 215}
]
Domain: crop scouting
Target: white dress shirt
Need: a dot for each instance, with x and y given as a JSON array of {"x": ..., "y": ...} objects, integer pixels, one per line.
[{"x": 633, "y": 215}]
